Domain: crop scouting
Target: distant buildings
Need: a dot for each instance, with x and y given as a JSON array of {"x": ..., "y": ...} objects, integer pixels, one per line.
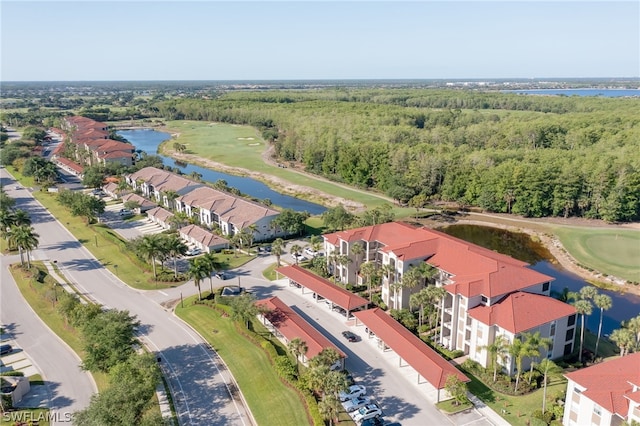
[{"x": 487, "y": 294}]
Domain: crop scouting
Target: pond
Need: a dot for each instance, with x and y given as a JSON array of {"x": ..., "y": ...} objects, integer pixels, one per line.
[
  {"x": 148, "y": 140},
  {"x": 521, "y": 247}
]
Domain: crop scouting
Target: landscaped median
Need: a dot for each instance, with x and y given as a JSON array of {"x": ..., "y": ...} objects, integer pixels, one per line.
[{"x": 270, "y": 399}]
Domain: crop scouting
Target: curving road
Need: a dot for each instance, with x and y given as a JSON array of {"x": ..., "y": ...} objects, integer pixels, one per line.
[{"x": 194, "y": 372}]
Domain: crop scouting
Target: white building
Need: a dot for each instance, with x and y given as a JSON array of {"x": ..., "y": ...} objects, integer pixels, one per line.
[{"x": 604, "y": 394}]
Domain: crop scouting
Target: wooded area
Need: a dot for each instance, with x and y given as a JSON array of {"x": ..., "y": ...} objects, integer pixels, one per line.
[{"x": 530, "y": 155}]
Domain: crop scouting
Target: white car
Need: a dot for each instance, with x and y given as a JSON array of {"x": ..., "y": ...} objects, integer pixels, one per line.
[
  {"x": 310, "y": 252},
  {"x": 299, "y": 257},
  {"x": 367, "y": 412},
  {"x": 354, "y": 391},
  {"x": 355, "y": 403},
  {"x": 193, "y": 252}
]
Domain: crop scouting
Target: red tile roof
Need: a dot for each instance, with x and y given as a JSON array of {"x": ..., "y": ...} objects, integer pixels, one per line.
[
  {"x": 475, "y": 270},
  {"x": 70, "y": 164},
  {"x": 610, "y": 383},
  {"x": 521, "y": 311},
  {"x": 292, "y": 326},
  {"x": 427, "y": 362},
  {"x": 160, "y": 213},
  {"x": 204, "y": 237},
  {"x": 325, "y": 288}
]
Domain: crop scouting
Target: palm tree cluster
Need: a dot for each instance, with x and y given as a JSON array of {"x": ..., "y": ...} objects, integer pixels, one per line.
[
  {"x": 159, "y": 247},
  {"x": 16, "y": 229},
  {"x": 324, "y": 382},
  {"x": 201, "y": 268},
  {"x": 584, "y": 301},
  {"x": 628, "y": 336}
]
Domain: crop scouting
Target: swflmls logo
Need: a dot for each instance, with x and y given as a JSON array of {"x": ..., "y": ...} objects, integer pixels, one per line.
[{"x": 33, "y": 417}]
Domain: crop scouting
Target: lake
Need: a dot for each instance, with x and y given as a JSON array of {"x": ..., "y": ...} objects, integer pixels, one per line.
[
  {"x": 605, "y": 93},
  {"x": 521, "y": 247},
  {"x": 148, "y": 140}
]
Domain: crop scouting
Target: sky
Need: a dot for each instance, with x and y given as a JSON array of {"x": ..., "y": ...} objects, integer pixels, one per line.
[{"x": 305, "y": 40}]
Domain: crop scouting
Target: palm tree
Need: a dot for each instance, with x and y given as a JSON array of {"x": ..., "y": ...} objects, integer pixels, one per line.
[
  {"x": 197, "y": 272},
  {"x": 498, "y": 351},
  {"x": 329, "y": 407},
  {"x": 436, "y": 294},
  {"x": 150, "y": 247},
  {"x": 369, "y": 270},
  {"x": 7, "y": 220},
  {"x": 343, "y": 260},
  {"x": 583, "y": 308},
  {"x": 419, "y": 300},
  {"x": 175, "y": 247},
  {"x": 277, "y": 248},
  {"x": 170, "y": 195},
  {"x": 295, "y": 251},
  {"x": 212, "y": 265},
  {"x": 634, "y": 325},
  {"x": 21, "y": 217},
  {"x": 26, "y": 239},
  {"x": 534, "y": 341},
  {"x": 316, "y": 242},
  {"x": 243, "y": 308},
  {"x": 518, "y": 351},
  {"x": 624, "y": 339},
  {"x": 548, "y": 369},
  {"x": 357, "y": 249},
  {"x": 604, "y": 303},
  {"x": 297, "y": 347}
]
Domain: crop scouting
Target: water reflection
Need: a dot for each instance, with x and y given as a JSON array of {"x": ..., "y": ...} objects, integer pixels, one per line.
[
  {"x": 520, "y": 246},
  {"x": 147, "y": 140}
]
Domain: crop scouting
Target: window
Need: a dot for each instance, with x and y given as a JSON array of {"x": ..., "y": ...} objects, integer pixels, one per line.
[
  {"x": 545, "y": 286},
  {"x": 552, "y": 332},
  {"x": 597, "y": 410},
  {"x": 571, "y": 321},
  {"x": 484, "y": 300},
  {"x": 567, "y": 349},
  {"x": 569, "y": 336}
]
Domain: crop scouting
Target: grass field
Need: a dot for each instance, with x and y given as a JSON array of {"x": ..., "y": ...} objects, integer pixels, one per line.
[
  {"x": 270, "y": 400},
  {"x": 614, "y": 252},
  {"x": 242, "y": 146}
]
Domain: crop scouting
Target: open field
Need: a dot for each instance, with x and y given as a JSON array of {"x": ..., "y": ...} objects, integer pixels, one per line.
[
  {"x": 611, "y": 251},
  {"x": 242, "y": 147}
]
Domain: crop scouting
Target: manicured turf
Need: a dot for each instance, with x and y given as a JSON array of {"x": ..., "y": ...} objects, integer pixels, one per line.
[
  {"x": 242, "y": 146},
  {"x": 270, "y": 401},
  {"x": 613, "y": 252},
  {"x": 38, "y": 296}
]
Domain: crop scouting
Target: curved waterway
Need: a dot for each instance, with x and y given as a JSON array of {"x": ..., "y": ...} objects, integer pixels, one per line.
[
  {"x": 148, "y": 140},
  {"x": 520, "y": 246}
]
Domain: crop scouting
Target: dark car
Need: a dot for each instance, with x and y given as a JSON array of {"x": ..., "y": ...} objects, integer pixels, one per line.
[
  {"x": 5, "y": 349},
  {"x": 350, "y": 336},
  {"x": 221, "y": 275}
]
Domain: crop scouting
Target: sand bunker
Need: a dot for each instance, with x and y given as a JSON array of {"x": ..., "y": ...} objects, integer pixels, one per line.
[{"x": 246, "y": 139}]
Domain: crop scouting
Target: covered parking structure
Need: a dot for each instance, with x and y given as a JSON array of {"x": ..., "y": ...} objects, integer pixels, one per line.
[
  {"x": 323, "y": 288},
  {"x": 287, "y": 325},
  {"x": 417, "y": 354}
]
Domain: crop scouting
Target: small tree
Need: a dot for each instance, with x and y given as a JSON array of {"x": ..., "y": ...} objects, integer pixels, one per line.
[
  {"x": 548, "y": 369},
  {"x": 277, "y": 248},
  {"x": 298, "y": 347},
  {"x": 456, "y": 388}
]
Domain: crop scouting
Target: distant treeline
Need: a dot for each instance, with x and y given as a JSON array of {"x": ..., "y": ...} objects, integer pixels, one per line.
[{"x": 530, "y": 155}]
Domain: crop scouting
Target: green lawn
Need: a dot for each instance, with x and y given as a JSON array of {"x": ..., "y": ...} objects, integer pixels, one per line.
[
  {"x": 39, "y": 297},
  {"x": 615, "y": 252},
  {"x": 242, "y": 146},
  {"x": 270, "y": 400}
]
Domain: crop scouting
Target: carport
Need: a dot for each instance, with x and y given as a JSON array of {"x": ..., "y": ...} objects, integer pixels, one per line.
[
  {"x": 324, "y": 288},
  {"x": 287, "y": 325},
  {"x": 417, "y": 354}
]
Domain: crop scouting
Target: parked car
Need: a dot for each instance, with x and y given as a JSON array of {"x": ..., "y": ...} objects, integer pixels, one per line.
[
  {"x": 193, "y": 252},
  {"x": 126, "y": 212},
  {"x": 355, "y": 403},
  {"x": 309, "y": 251},
  {"x": 221, "y": 275},
  {"x": 367, "y": 412},
  {"x": 353, "y": 391},
  {"x": 5, "y": 349},
  {"x": 376, "y": 421},
  {"x": 352, "y": 337},
  {"x": 299, "y": 257}
]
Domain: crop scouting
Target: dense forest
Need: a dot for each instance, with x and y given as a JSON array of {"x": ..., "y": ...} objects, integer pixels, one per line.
[{"x": 530, "y": 155}]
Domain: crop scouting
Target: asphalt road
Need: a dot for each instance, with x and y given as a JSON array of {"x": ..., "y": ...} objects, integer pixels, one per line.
[
  {"x": 402, "y": 399},
  {"x": 69, "y": 388},
  {"x": 198, "y": 381}
]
